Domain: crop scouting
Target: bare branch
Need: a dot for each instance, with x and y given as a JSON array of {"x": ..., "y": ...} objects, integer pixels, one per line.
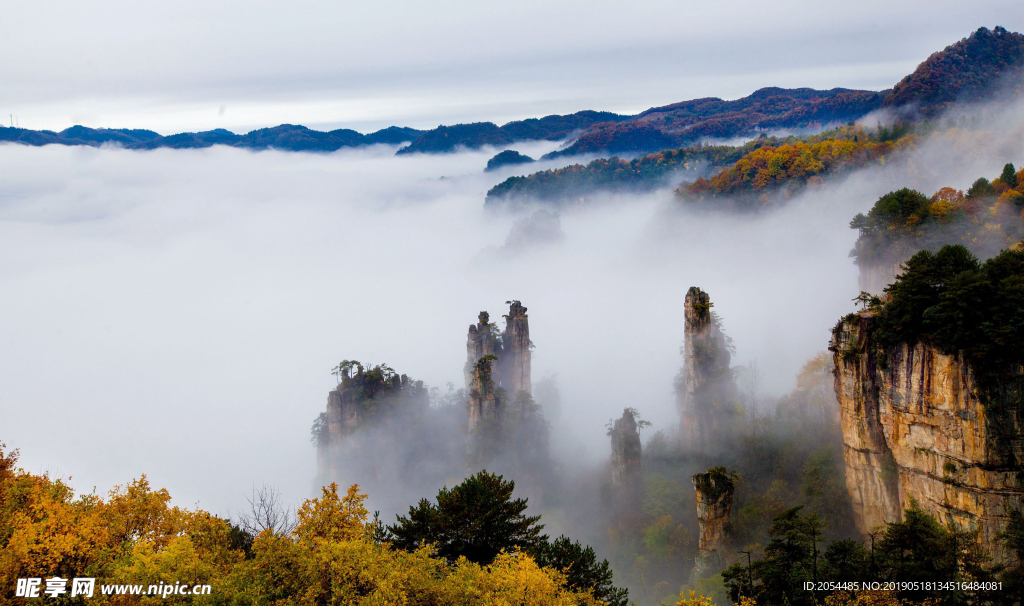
[{"x": 267, "y": 511}]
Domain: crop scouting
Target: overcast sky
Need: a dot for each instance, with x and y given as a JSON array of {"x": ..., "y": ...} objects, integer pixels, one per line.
[{"x": 196, "y": 65}]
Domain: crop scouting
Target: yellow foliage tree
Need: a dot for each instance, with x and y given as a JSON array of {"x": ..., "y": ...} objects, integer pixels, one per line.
[
  {"x": 137, "y": 537},
  {"x": 694, "y": 599}
]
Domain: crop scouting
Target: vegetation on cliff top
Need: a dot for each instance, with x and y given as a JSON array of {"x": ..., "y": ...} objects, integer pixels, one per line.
[
  {"x": 367, "y": 382},
  {"x": 959, "y": 304},
  {"x": 378, "y": 391},
  {"x": 715, "y": 481},
  {"x": 986, "y": 219}
]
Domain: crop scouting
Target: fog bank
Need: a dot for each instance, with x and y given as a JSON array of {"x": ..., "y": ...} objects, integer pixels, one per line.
[{"x": 177, "y": 313}]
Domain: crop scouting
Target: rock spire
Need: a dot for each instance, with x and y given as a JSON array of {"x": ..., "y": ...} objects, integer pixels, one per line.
[
  {"x": 627, "y": 464},
  {"x": 705, "y": 392}
]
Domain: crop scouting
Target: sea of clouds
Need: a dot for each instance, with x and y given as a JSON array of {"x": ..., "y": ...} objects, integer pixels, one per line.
[{"x": 177, "y": 313}]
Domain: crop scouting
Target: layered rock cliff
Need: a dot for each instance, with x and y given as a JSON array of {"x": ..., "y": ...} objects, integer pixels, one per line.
[
  {"x": 705, "y": 392},
  {"x": 714, "y": 509},
  {"x": 918, "y": 427}
]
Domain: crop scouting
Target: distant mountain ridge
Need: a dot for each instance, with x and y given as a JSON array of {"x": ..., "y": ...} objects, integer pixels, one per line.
[
  {"x": 972, "y": 69},
  {"x": 985, "y": 65},
  {"x": 288, "y": 137},
  {"x": 478, "y": 134},
  {"x": 688, "y": 122}
]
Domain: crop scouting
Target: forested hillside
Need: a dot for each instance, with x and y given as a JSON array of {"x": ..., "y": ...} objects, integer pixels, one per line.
[
  {"x": 615, "y": 174},
  {"x": 973, "y": 69},
  {"x": 712, "y": 118}
]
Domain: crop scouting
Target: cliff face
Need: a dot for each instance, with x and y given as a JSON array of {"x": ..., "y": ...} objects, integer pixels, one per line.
[
  {"x": 916, "y": 426},
  {"x": 714, "y": 509},
  {"x": 873, "y": 278},
  {"x": 705, "y": 392},
  {"x": 342, "y": 415}
]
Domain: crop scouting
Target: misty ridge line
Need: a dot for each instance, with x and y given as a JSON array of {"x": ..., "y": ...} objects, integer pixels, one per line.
[
  {"x": 966, "y": 70},
  {"x": 589, "y": 131}
]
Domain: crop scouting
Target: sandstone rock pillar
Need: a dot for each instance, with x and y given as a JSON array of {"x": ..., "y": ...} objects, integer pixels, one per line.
[
  {"x": 704, "y": 388},
  {"x": 627, "y": 464},
  {"x": 714, "y": 507},
  {"x": 483, "y": 402},
  {"x": 515, "y": 357},
  {"x": 480, "y": 342}
]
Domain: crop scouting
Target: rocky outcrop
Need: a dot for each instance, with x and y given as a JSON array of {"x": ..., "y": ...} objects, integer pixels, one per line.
[
  {"x": 376, "y": 396},
  {"x": 705, "y": 392},
  {"x": 714, "y": 507},
  {"x": 497, "y": 366},
  {"x": 342, "y": 414},
  {"x": 917, "y": 427},
  {"x": 482, "y": 341},
  {"x": 627, "y": 464},
  {"x": 497, "y": 377}
]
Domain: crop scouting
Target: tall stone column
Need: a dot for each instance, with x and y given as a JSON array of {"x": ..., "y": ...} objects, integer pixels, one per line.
[
  {"x": 480, "y": 342},
  {"x": 483, "y": 402},
  {"x": 515, "y": 359},
  {"x": 705, "y": 391},
  {"x": 627, "y": 465}
]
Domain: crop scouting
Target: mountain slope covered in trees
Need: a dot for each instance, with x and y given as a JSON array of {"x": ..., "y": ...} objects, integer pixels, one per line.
[
  {"x": 449, "y": 138},
  {"x": 688, "y": 122},
  {"x": 973, "y": 69}
]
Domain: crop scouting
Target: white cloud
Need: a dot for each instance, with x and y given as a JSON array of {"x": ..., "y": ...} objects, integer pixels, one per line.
[{"x": 177, "y": 313}]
